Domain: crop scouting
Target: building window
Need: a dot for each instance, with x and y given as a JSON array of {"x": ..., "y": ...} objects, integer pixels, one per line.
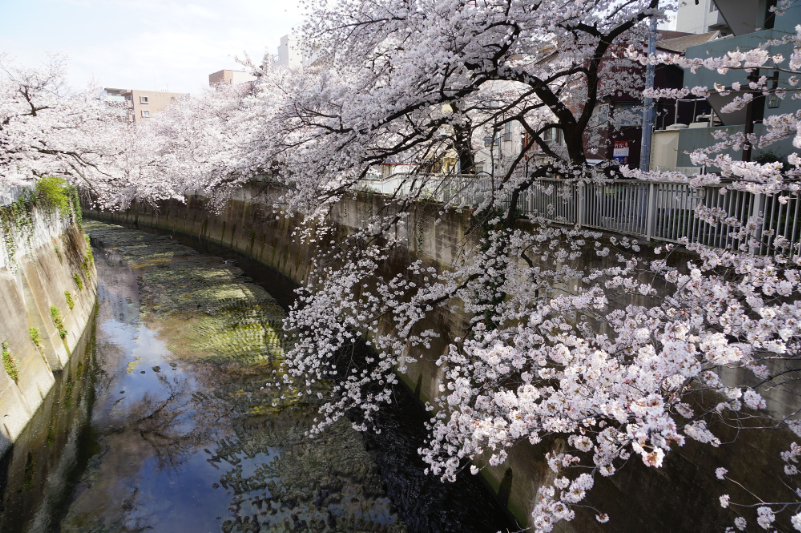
[
  {"x": 603, "y": 114},
  {"x": 143, "y": 99},
  {"x": 627, "y": 115},
  {"x": 145, "y": 113},
  {"x": 507, "y": 131}
]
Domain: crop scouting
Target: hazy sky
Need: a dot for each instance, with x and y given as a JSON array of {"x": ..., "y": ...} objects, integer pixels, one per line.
[{"x": 145, "y": 44}]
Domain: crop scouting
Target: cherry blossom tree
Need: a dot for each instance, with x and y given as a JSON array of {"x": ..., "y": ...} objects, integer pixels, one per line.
[
  {"x": 197, "y": 143},
  {"x": 47, "y": 129},
  {"x": 393, "y": 79},
  {"x": 550, "y": 350},
  {"x": 570, "y": 334}
]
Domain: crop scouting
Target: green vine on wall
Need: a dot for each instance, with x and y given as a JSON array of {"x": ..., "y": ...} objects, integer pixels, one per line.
[
  {"x": 77, "y": 215},
  {"x": 85, "y": 268},
  {"x": 50, "y": 194},
  {"x": 9, "y": 363},
  {"x": 70, "y": 301},
  {"x": 53, "y": 193},
  {"x": 56, "y": 315},
  {"x": 90, "y": 258},
  {"x": 36, "y": 338},
  {"x": 17, "y": 216}
]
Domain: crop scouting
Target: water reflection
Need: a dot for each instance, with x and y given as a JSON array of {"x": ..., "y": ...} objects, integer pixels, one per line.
[
  {"x": 164, "y": 422},
  {"x": 182, "y": 434}
]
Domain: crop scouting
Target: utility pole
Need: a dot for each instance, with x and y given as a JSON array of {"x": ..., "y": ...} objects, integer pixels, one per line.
[{"x": 648, "y": 105}]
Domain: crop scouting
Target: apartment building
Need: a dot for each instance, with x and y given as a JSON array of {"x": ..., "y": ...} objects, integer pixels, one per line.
[
  {"x": 615, "y": 131},
  {"x": 142, "y": 104},
  {"x": 752, "y": 24},
  {"x": 234, "y": 77}
]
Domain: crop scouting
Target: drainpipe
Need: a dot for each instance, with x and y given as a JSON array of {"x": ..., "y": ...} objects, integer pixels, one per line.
[{"x": 648, "y": 110}]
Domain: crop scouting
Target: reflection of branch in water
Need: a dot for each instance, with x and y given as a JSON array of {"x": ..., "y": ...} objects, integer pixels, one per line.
[
  {"x": 104, "y": 368},
  {"x": 173, "y": 426},
  {"x": 136, "y": 517},
  {"x": 279, "y": 476}
]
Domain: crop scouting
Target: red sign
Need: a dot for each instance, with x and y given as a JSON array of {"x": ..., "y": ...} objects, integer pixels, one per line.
[{"x": 621, "y": 152}]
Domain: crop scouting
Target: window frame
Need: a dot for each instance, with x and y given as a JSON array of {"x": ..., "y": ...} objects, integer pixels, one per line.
[{"x": 507, "y": 132}]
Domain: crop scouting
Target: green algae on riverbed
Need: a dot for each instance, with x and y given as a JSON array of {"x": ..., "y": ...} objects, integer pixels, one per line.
[
  {"x": 231, "y": 318},
  {"x": 205, "y": 411}
]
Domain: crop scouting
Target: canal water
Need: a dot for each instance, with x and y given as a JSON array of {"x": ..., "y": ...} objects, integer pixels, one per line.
[{"x": 162, "y": 421}]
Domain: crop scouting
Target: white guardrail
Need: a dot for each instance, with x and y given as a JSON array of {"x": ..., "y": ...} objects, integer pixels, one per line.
[
  {"x": 10, "y": 193},
  {"x": 662, "y": 211}
]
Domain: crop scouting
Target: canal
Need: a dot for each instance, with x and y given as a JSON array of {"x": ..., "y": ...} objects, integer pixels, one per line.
[{"x": 172, "y": 417}]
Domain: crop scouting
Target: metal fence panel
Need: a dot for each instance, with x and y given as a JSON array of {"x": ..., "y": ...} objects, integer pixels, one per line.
[{"x": 663, "y": 211}]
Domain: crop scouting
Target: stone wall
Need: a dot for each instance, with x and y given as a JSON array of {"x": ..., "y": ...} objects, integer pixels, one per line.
[
  {"x": 680, "y": 497},
  {"x": 38, "y": 264}
]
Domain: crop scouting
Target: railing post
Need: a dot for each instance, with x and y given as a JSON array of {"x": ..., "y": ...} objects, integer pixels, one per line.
[
  {"x": 650, "y": 214},
  {"x": 756, "y": 209},
  {"x": 581, "y": 204}
]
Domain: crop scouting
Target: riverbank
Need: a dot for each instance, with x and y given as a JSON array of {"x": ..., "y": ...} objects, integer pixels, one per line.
[{"x": 48, "y": 286}]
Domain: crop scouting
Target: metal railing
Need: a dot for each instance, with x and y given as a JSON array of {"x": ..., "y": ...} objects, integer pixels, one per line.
[
  {"x": 11, "y": 193},
  {"x": 662, "y": 211}
]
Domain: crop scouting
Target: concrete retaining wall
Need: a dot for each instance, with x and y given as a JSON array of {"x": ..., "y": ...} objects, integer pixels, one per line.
[
  {"x": 682, "y": 496},
  {"x": 45, "y": 260}
]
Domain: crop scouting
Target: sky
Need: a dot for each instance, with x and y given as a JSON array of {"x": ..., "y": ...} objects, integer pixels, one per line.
[{"x": 145, "y": 44}]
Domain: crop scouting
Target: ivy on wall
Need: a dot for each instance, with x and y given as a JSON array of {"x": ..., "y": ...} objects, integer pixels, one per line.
[
  {"x": 55, "y": 313},
  {"x": 51, "y": 195},
  {"x": 9, "y": 363},
  {"x": 36, "y": 338}
]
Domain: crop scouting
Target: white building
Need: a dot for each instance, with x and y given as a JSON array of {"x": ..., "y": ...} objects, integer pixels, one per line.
[
  {"x": 504, "y": 146},
  {"x": 700, "y": 16},
  {"x": 292, "y": 53}
]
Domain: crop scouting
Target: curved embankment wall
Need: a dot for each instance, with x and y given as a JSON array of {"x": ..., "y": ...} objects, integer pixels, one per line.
[
  {"x": 682, "y": 496},
  {"x": 42, "y": 257}
]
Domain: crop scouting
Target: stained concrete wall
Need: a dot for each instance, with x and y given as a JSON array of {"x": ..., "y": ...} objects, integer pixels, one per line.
[
  {"x": 37, "y": 266},
  {"x": 54, "y": 448},
  {"x": 681, "y": 497}
]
